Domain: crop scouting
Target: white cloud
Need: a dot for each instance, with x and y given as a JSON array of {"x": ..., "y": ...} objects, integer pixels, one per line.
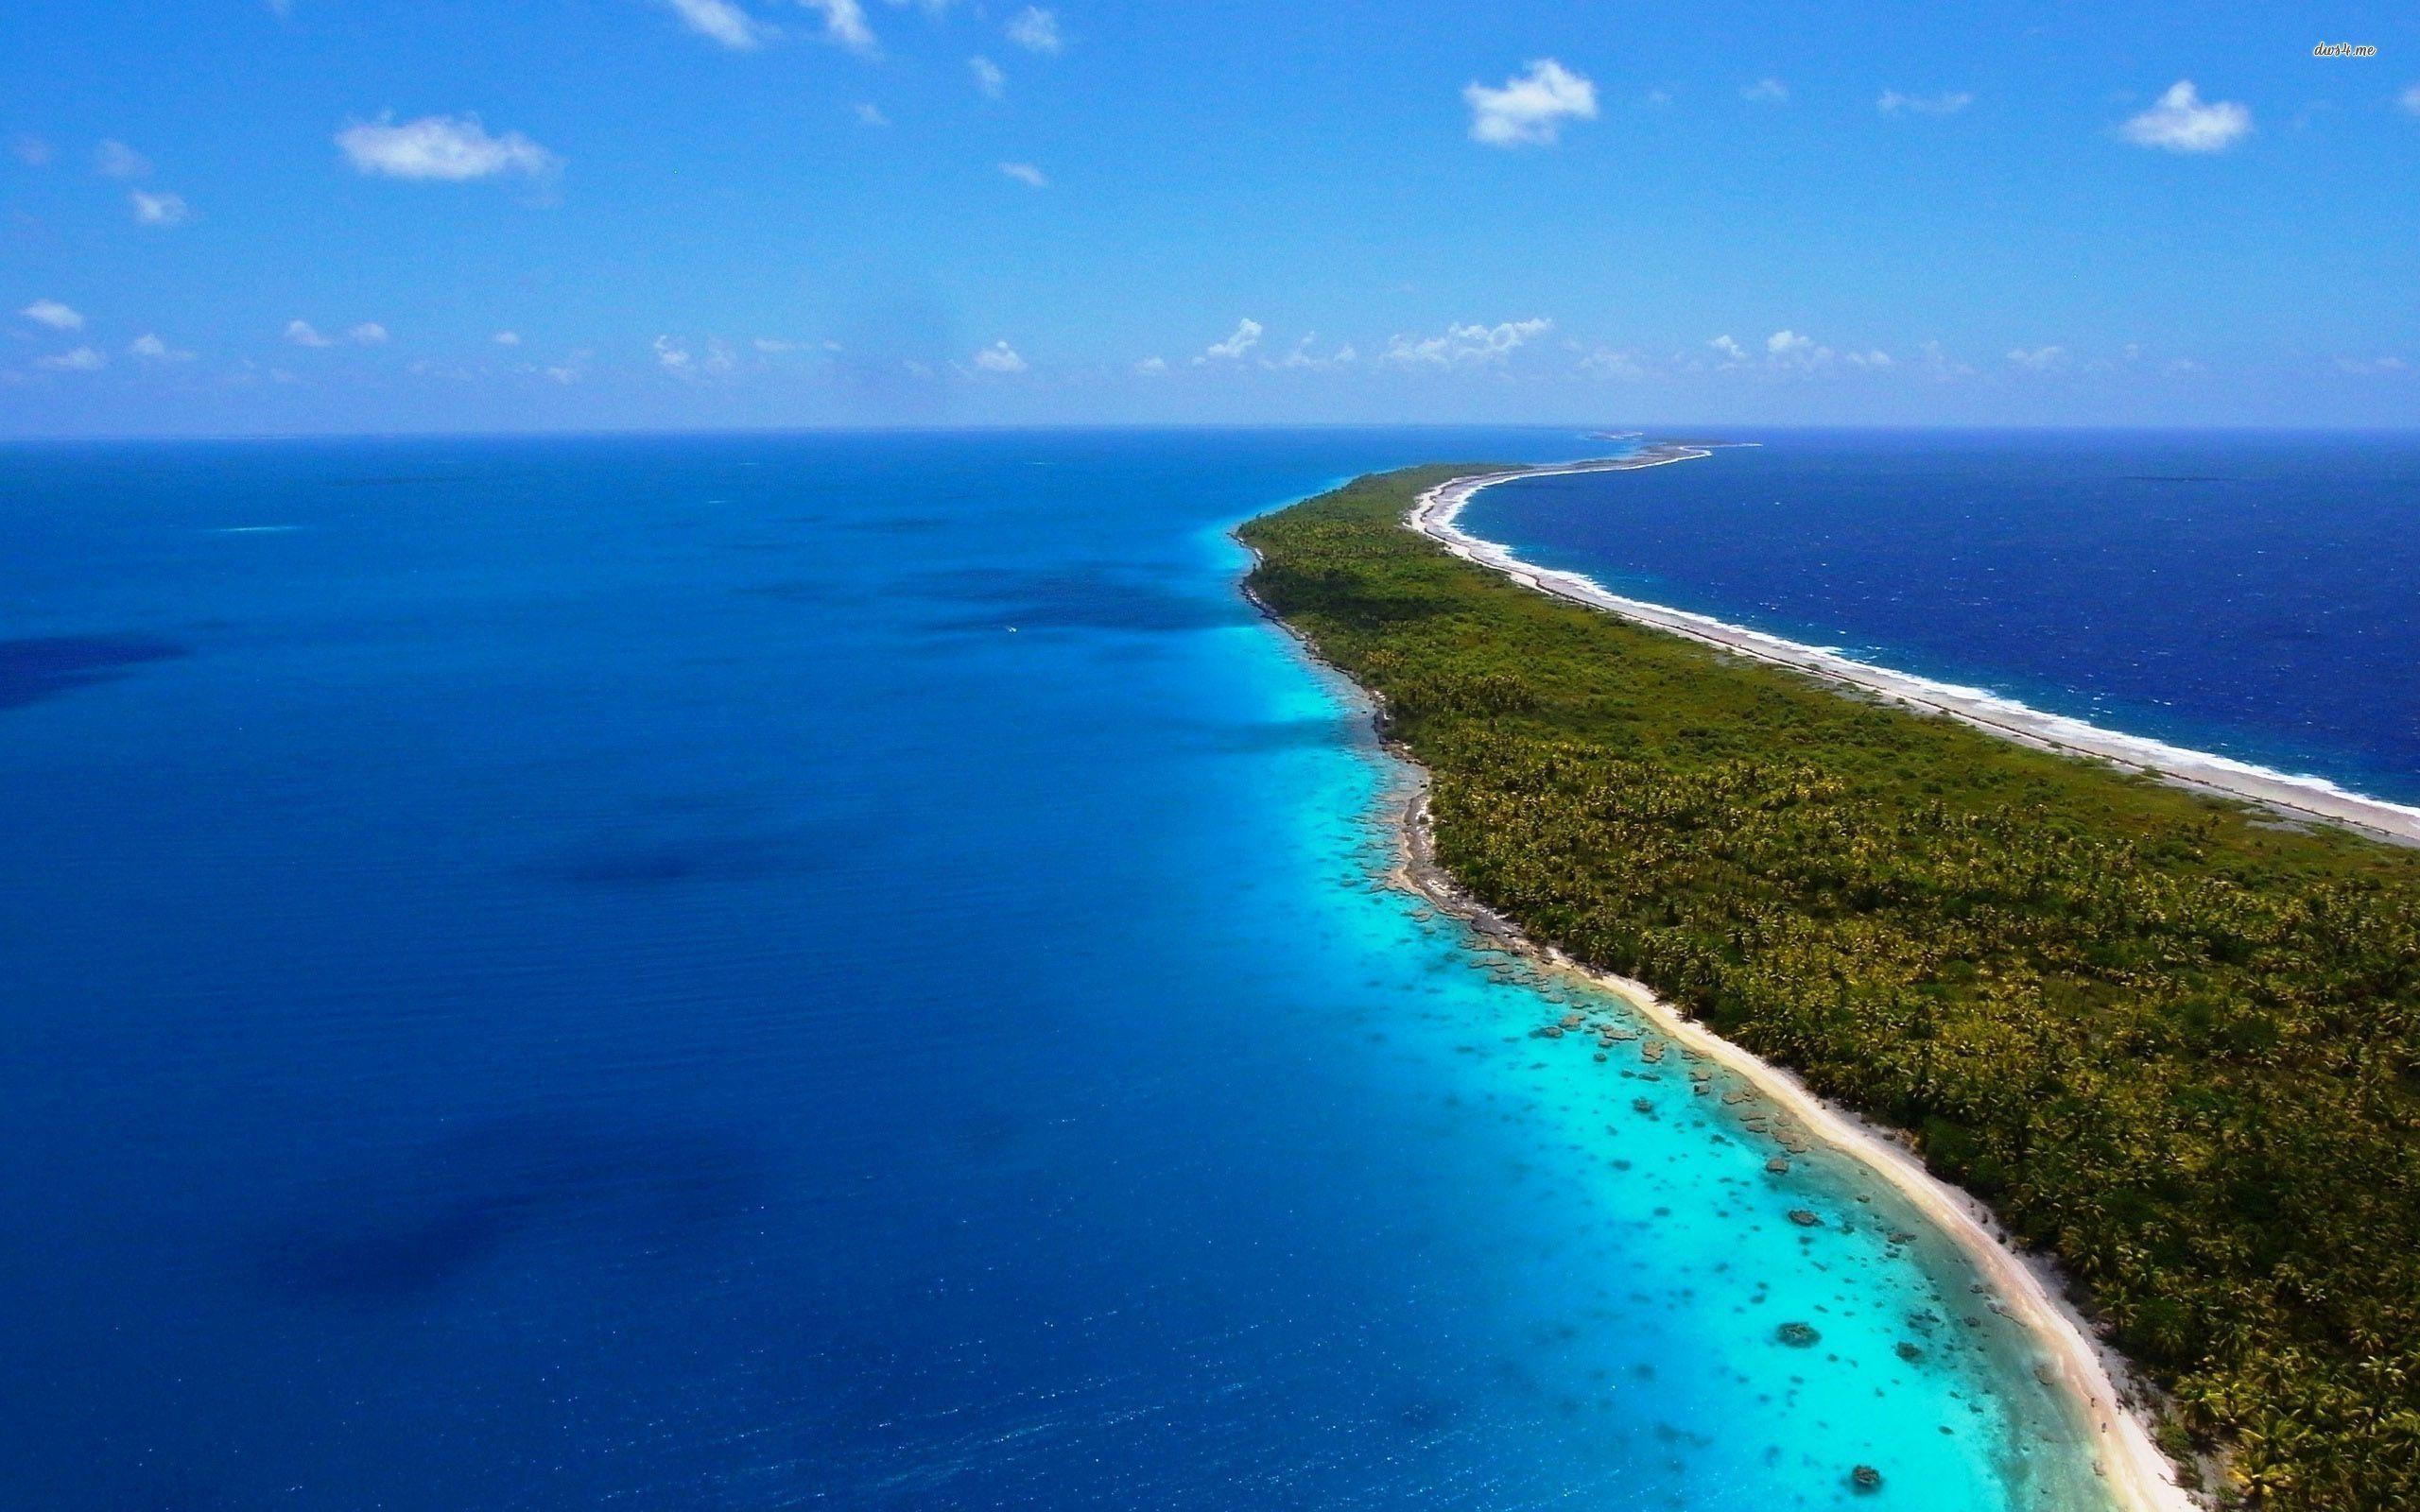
[
  {"x": 54, "y": 315},
  {"x": 367, "y": 334},
  {"x": 1152, "y": 367},
  {"x": 1246, "y": 336},
  {"x": 774, "y": 346},
  {"x": 2371, "y": 366},
  {"x": 115, "y": 159},
  {"x": 1605, "y": 362},
  {"x": 1026, "y": 174},
  {"x": 84, "y": 359},
  {"x": 30, "y": 150},
  {"x": 1730, "y": 350},
  {"x": 1938, "y": 364},
  {"x": 2039, "y": 359},
  {"x": 845, "y": 22},
  {"x": 999, "y": 357},
  {"x": 721, "y": 21},
  {"x": 1893, "y": 103},
  {"x": 2184, "y": 121},
  {"x": 2410, "y": 100},
  {"x": 1463, "y": 344},
  {"x": 1530, "y": 109},
  {"x": 302, "y": 334},
  {"x": 989, "y": 82},
  {"x": 1771, "y": 90},
  {"x": 870, "y": 114},
  {"x": 671, "y": 355},
  {"x": 151, "y": 349},
  {"x": 1036, "y": 30},
  {"x": 159, "y": 210},
  {"x": 507, "y": 339},
  {"x": 1791, "y": 350},
  {"x": 1303, "y": 356},
  {"x": 445, "y": 148},
  {"x": 1876, "y": 358}
]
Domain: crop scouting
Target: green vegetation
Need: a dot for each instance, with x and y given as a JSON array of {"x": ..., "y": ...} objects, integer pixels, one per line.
[{"x": 2168, "y": 1041}]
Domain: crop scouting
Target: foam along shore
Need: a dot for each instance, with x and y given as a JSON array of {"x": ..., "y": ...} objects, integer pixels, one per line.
[
  {"x": 2029, "y": 1288},
  {"x": 1435, "y": 515},
  {"x": 2106, "y": 1397}
]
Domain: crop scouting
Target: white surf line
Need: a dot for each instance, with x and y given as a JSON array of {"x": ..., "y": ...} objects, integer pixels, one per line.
[
  {"x": 1435, "y": 513},
  {"x": 2140, "y": 1477}
]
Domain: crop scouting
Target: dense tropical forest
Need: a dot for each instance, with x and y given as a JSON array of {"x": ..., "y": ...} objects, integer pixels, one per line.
[{"x": 2170, "y": 1039}]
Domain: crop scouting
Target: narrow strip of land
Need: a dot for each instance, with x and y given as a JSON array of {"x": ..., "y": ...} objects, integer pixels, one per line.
[
  {"x": 1437, "y": 513},
  {"x": 2168, "y": 1038}
]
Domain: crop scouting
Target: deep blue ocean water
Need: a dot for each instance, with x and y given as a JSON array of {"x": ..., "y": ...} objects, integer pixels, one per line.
[
  {"x": 2257, "y": 595},
  {"x": 850, "y": 971}
]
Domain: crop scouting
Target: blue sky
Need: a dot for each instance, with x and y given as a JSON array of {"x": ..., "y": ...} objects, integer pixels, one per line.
[{"x": 334, "y": 216}]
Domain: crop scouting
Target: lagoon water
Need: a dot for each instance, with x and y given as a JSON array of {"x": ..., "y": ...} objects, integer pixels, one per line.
[
  {"x": 853, "y": 972},
  {"x": 2253, "y": 593}
]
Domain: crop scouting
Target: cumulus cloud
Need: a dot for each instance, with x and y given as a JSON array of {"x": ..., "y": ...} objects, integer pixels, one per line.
[
  {"x": 159, "y": 210},
  {"x": 1152, "y": 367},
  {"x": 367, "y": 334},
  {"x": 507, "y": 339},
  {"x": 1895, "y": 103},
  {"x": 1530, "y": 109},
  {"x": 115, "y": 159},
  {"x": 84, "y": 359},
  {"x": 722, "y": 22},
  {"x": 672, "y": 356},
  {"x": 989, "y": 82},
  {"x": 1300, "y": 356},
  {"x": 1730, "y": 350},
  {"x": 302, "y": 334},
  {"x": 1876, "y": 358},
  {"x": 870, "y": 114},
  {"x": 1938, "y": 364},
  {"x": 2410, "y": 100},
  {"x": 2039, "y": 359},
  {"x": 844, "y": 22},
  {"x": 2184, "y": 121},
  {"x": 2371, "y": 367},
  {"x": 54, "y": 315},
  {"x": 1795, "y": 350},
  {"x": 151, "y": 349},
  {"x": 1606, "y": 362},
  {"x": 999, "y": 357},
  {"x": 1771, "y": 91},
  {"x": 446, "y": 148},
  {"x": 1246, "y": 336},
  {"x": 1036, "y": 30},
  {"x": 1026, "y": 174},
  {"x": 1465, "y": 344}
]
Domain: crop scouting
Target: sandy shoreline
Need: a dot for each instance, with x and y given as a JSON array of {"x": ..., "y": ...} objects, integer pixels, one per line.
[
  {"x": 2031, "y": 1291},
  {"x": 2292, "y": 797},
  {"x": 2102, "y": 1387}
]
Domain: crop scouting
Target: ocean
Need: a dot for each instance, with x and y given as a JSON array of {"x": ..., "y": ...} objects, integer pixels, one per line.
[
  {"x": 853, "y": 970},
  {"x": 2252, "y": 594}
]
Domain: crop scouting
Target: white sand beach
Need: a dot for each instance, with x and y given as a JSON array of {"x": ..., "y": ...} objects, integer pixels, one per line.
[{"x": 2290, "y": 797}]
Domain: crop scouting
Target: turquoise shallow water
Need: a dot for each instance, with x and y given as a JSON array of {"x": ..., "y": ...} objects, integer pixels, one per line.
[{"x": 766, "y": 971}]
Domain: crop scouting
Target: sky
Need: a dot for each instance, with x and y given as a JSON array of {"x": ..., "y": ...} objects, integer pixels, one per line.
[{"x": 240, "y": 216}]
